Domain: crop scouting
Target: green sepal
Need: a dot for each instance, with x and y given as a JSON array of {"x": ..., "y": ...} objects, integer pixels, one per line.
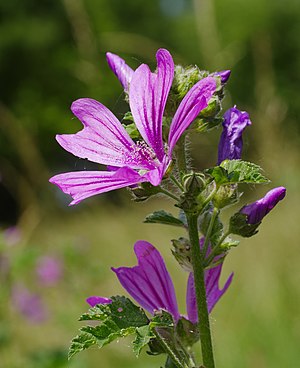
[
  {"x": 237, "y": 171},
  {"x": 117, "y": 319},
  {"x": 217, "y": 229},
  {"x": 226, "y": 195},
  {"x": 187, "y": 332},
  {"x": 238, "y": 225},
  {"x": 202, "y": 125},
  {"x": 229, "y": 243},
  {"x": 163, "y": 217},
  {"x": 144, "y": 191}
]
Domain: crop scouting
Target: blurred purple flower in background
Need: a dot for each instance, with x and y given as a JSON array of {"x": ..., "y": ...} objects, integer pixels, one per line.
[
  {"x": 30, "y": 305},
  {"x": 12, "y": 235},
  {"x": 231, "y": 141},
  {"x": 49, "y": 270},
  {"x": 105, "y": 141},
  {"x": 257, "y": 210},
  {"x": 150, "y": 284}
]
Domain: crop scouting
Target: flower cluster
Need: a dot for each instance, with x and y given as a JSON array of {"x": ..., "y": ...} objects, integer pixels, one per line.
[{"x": 163, "y": 107}]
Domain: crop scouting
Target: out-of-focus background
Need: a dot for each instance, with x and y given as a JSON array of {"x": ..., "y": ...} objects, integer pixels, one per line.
[{"x": 53, "y": 256}]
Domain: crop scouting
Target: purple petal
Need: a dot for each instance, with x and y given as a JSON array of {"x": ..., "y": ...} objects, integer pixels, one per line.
[
  {"x": 256, "y": 211},
  {"x": 224, "y": 75},
  {"x": 213, "y": 293},
  {"x": 148, "y": 96},
  {"x": 194, "y": 101},
  {"x": 94, "y": 300},
  {"x": 84, "y": 184},
  {"x": 122, "y": 71},
  {"x": 231, "y": 141},
  {"x": 103, "y": 139},
  {"x": 149, "y": 283}
]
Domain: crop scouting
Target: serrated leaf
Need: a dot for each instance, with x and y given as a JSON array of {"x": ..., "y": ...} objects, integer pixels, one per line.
[
  {"x": 81, "y": 342},
  {"x": 163, "y": 217},
  {"x": 144, "y": 335},
  {"x": 237, "y": 171},
  {"x": 117, "y": 319}
]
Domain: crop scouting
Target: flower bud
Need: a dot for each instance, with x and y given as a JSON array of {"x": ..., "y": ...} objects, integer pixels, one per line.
[
  {"x": 256, "y": 211},
  {"x": 231, "y": 141},
  {"x": 224, "y": 75},
  {"x": 194, "y": 183},
  {"x": 182, "y": 253},
  {"x": 226, "y": 195},
  {"x": 246, "y": 221},
  {"x": 143, "y": 191}
]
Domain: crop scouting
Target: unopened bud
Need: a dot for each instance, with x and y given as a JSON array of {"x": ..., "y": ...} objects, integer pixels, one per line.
[
  {"x": 226, "y": 195},
  {"x": 182, "y": 253}
]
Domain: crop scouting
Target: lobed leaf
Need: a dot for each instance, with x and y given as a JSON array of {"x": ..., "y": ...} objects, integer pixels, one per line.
[{"x": 237, "y": 171}]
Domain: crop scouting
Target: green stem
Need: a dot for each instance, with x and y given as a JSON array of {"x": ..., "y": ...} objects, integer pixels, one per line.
[
  {"x": 216, "y": 249},
  {"x": 169, "y": 194},
  {"x": 197, "y": 262},
  {"x": 209, "y": 230},
  {"x": 176, "y": 182},
  {"x": 176, "y": 362},
  {"x": 181, "y": 156}
]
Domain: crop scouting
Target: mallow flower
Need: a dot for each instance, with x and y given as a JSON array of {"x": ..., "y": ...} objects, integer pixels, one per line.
[
  {"x": 257, "y": 210},
  {"x": 231, "y": 141},
  {"x": 150, "y": 284},
  {"x": 105, "y": 141}
]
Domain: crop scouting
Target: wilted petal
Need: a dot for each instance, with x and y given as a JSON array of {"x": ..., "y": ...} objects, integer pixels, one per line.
[
  {"x": 84, "y": 184},
  {"x": 231, "y": 141},
  {"x": 256, "y": 211},
  {"x": 94, "y": 300},
  {"x": 122, "y": 71},
  {"x": 213, "y": 293},
  {"x": 148, "y": 96},
  {"x": 103, "y": 139},
  {"x": 194, "y": 101},
  {"x": 149, "y": 283}
]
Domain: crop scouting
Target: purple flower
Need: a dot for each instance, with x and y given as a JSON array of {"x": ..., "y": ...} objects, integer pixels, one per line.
[
  {"x": 29, "y": 304},
  {"x": 231, "y": 141},
  {"x": 256, "y": 211},
  {"x": 150, "y": 284},
  {"x": 94, "y": 300},
  {"x": 49, "y": 270},
  {"x": 105, "y": 141}
]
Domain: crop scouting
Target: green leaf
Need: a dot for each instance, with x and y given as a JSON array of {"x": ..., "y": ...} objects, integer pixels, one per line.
[
  {"x": 81, "y": 342},
  {"x": 163, "y": 217},
  {"x": 117, "y": 319},
  {"x": 237, "y": 171},
  {"x": 144, "y": 335}
]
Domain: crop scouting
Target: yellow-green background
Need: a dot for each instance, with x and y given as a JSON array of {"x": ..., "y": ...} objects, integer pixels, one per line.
[{"x": 52, "y": 52}]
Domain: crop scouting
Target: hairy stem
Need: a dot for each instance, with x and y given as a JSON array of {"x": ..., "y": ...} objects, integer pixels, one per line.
[
  {"x": 198, "y": 263},
  {"x": 172, "y": 357},
  {"x": 209, "y": 230}
]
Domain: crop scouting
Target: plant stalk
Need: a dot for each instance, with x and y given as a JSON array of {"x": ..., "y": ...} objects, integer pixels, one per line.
[{"x": 198, "y": 268}]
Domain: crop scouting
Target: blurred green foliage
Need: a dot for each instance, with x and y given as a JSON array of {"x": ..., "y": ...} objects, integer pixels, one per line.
[{"x": 53, "y": 52}]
